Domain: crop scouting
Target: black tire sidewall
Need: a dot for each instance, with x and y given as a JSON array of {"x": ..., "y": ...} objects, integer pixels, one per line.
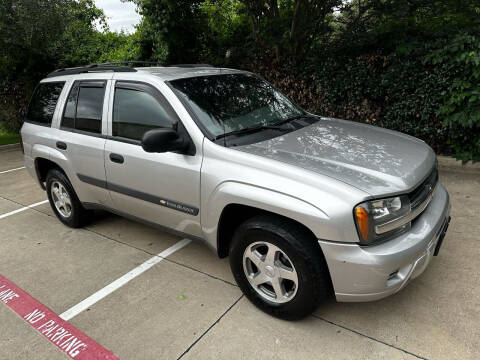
[{"x": 306, "y": 299}]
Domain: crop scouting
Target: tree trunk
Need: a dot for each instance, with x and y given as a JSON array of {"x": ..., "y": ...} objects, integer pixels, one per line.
[{"x": 296, "y": 12}]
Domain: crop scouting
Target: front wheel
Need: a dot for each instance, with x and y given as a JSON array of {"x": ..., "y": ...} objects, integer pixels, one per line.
[{"x": 279, "y": 267}]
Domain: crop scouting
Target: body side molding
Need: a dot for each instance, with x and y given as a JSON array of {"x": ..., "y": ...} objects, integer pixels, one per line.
[{"x": 171, "y": 204}]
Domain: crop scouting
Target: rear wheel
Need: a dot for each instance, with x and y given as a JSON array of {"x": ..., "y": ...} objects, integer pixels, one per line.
[
  {"x": 64, "y": 201},
  {"x": 279, "y": 267}
]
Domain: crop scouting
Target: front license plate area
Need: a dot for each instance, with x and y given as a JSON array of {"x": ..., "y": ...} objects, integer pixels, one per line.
[{"x": 442, "y": 235}]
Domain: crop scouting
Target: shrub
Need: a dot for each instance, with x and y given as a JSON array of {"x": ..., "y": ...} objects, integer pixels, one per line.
[
  {"x": 430, "y": 90},
  {"x": 461, "y": 106}
]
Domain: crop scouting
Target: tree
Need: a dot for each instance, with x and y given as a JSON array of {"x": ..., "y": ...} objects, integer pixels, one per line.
[
  {"x": 37, "y": 36},
  {"x": 180, "y": 25},
  {"x": 195, "y": 29},
  {"x": 290, "y": 27},
  {"x": 35, "y": 33}
]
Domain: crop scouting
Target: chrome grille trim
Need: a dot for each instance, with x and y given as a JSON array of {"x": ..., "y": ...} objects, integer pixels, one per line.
[
  {"x": 394, "y": 224},
  {"x": 419, "y": 200},
  {"x": 422, "y": 192}
]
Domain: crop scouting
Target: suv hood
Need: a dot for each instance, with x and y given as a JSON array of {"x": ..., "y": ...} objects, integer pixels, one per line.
[{"x": 375, "y": 160}]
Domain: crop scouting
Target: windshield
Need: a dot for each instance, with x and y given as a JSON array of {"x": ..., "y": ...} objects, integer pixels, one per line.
[{"x": 231, "y": 102}]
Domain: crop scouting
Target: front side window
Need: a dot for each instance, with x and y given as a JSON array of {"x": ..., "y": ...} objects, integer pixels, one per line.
[
  {"x": 232, "y": 102},
  {"x": 84, "y": 107},
  {"x": 136, "y": 110},
  {"x": 43, "y": 103}
]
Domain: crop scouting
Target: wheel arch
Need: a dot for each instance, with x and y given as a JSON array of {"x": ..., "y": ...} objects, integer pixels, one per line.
[
  {"x": 232, "y": 203},
  {"x": 233, "y": 215},
  {"x": 43, "y": 166}
]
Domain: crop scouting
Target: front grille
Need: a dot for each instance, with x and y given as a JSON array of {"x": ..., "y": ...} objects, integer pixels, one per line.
[{"x": 421, "y": 196}]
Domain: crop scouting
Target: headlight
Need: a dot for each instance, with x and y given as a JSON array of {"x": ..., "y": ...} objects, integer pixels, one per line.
[{"x": 380, "y": 219}]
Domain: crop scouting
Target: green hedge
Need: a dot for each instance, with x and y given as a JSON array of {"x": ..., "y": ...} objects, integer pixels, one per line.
[{"x": 431, "y": 91}]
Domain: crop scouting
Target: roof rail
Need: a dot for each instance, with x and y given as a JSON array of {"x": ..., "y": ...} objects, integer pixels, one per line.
[
  {"x": 90, "y": 68},
  {"x": 190, "y": 65},
  {"x": 155, "y": 63},
  {"x": 115, "y": 67},
  {"x": 133, "y": 63}
]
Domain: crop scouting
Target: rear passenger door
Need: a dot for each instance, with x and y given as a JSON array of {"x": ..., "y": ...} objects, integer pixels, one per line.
[
  {"x": 163, "y": 188},
  {"x": 81, "y": 139}
]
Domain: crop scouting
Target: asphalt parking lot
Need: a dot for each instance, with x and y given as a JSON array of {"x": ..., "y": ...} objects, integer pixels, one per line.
[{"x": 109, "y": 283}]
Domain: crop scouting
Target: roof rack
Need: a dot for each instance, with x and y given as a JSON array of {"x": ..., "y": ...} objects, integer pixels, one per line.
[
  {"x": 190, "y": 65},
  {"x": 133, "y": 63},
  {"x": 91, "y": 68},
  {"x": 153, "y": 63},
  {"x": 115, "y": 67}
]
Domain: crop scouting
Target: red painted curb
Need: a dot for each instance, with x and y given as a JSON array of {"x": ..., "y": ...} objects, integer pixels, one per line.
[{"x": 64, "y": 336}]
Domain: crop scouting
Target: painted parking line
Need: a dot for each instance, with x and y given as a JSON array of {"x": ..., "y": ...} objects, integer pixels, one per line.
[
  {"x": 59, "y": 332},
  {"x": 100, "y": 294},
  {"x": 7, "y": 171},
  {"x": 23, "y": 209}
]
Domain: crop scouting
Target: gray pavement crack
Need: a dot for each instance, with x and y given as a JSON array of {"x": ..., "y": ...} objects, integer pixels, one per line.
[
  {"x": 210, "y": 327},
  {"x": 369, "y": 337}
]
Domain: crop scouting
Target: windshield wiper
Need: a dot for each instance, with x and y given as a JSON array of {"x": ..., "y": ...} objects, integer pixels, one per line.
[
  {"x": 250, "y": 130},
  {"x": 276, "y": 126},
  {"x": 291, "y": 118}
]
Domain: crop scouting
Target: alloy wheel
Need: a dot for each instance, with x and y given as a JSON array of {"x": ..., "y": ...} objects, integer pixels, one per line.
[
  {"x": 270, "y": 272},
  {"x": 61, "y": 199}
]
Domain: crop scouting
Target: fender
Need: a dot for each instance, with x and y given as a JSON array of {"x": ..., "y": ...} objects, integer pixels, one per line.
[
  {"x": 232, "y": 192},
  {"x": 52, "y": 154},
  {"x": 62, "y": 161},
  {"x": 40, "y": 151},
  {"x": 37, "y": 151}
]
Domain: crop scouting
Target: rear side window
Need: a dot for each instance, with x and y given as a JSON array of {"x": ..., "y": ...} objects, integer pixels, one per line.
[
  {"x": 68, "y": 120},
  {"x": 43, "y": 103},
  {"x": 84, "y": 107},
  {"x": 138, "y": 108}
]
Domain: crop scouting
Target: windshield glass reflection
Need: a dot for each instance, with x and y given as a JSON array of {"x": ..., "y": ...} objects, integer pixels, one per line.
[{"x": 232, "y": 102}]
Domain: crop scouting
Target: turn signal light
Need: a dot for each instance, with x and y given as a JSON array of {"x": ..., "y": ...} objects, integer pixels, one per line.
[{"x": 362, "y": 221}]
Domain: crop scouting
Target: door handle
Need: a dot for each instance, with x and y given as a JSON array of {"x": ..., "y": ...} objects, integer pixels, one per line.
[
  {"x": 116, "y": 158},
  {"x": 61, "y": 145}
]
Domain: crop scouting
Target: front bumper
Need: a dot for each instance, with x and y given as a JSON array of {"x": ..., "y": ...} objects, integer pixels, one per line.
[{"x": 373, "y": 272}]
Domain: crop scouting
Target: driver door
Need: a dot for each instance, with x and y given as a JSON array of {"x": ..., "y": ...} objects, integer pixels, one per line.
[{"x": 163, "y": 188}]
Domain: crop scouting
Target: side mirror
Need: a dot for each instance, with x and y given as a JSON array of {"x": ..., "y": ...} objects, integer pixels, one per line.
[{"x": 162, "y": 140}]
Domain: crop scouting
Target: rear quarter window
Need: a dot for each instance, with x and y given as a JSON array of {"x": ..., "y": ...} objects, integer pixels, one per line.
[{"x": 43, "y": 103}]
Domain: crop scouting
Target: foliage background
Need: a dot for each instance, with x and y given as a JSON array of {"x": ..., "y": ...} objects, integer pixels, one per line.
[{"x": 407, "y": 65}]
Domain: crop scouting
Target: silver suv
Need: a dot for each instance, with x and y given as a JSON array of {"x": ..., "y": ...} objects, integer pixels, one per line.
[{"x": 305, "y": 206}]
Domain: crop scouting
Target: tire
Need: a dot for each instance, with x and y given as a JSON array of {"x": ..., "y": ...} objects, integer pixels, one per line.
[
  {"x": 295, "y": 251},
  {"x": 72, "y": 213}
]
